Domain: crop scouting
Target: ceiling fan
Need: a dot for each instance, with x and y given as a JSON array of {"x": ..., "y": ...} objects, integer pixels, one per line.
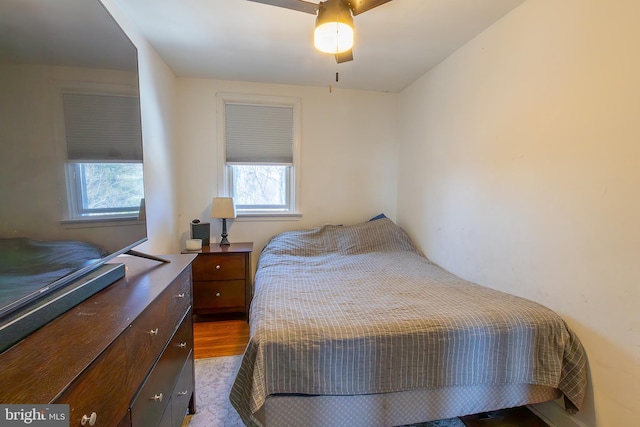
[{"x": 334, "y": 23}]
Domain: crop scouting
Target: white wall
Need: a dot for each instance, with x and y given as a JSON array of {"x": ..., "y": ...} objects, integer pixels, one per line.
[
  {"x": 348, "y": 157},
  {"x": 519, "y": 170},
  {"x": 157, "y": 99}
]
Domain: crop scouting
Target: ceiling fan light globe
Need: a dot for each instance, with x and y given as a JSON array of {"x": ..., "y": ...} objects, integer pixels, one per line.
[{"x": 333, "y": 37}]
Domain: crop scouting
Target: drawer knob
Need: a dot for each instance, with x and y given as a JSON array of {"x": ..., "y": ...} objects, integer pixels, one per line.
[
  {"x": 217, "y": 294},
  {"x": 153, "y": 331},
  {"x": 157, "y": 397},
  {"x": 182, "y": 345},
  {"x": 180, "y": 295},
  {"x": 89, "y": 419},
  {"x": 218, "y": 267},
  {"x": 183, "y": 393}
]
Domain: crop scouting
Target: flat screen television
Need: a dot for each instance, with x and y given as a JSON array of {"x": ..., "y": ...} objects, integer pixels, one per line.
[{"x": 71, "y": 167}]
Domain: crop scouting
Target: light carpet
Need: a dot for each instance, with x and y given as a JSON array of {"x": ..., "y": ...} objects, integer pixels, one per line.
[{"x": 214, "y": 377}]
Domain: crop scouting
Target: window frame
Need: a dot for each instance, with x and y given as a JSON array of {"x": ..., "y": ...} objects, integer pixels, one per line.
[{"x": 225, "y": 172}]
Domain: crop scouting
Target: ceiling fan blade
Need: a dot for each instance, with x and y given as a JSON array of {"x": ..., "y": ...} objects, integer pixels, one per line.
[
  {"x": 360, "y": 6},
  {"x": 344, "y": 56},
  {"x": 299, "y": 5}
]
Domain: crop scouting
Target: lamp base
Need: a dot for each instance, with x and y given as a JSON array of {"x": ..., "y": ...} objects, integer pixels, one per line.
[{"x": 224, "y": 241}]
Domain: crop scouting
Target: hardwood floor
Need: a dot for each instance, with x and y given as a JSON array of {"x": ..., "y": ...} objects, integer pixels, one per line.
[
  {"x": 220, "y": 338},
  {"x": 230, "y": 337}
]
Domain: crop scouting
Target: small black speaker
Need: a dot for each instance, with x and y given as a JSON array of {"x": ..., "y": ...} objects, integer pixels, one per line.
[{"x": 201, "y": 230}]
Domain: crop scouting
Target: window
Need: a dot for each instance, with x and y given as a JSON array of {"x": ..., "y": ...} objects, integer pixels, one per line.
[
  {"x": 259, "y": 145},
  {"x": 104, "y": 155},
  {"x": 106, "y": 189}
]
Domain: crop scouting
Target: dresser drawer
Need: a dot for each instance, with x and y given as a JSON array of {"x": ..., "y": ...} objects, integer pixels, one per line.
[
  {"x": 154, "y": 397},
  {"x": 149, "y": 333},
  {"x": 182, "y": 340},
  {"x": 219, "y": 267},
  {"x": 182, "y": 393},
  {"x": 223, "y": 294},
  {"x": 90, "y": 393},
  {"x": 166, "y": 418}
]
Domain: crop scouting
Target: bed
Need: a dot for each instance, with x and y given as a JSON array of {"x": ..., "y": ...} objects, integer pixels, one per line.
[{"x": 352, "y": 325}]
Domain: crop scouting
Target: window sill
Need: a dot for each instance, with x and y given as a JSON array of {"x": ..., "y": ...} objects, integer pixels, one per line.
[
  {"x": 100, "y": 222},
  {"x": 246, "y": 217}
]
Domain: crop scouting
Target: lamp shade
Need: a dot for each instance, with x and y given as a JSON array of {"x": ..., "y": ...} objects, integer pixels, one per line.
[
  {"x": 334, "y": 27},
  {"x": 223, "y": 207}
]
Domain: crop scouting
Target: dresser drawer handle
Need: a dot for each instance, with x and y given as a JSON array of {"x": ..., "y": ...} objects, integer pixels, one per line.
[
  {"x": 157, "y": 397},
  {"x": 181, "y": 295},
  {"x": 153, "y": 331},
  {"x": 183, "y": 393},
  {"x": 218, "y": 267},
  {"x": 182, "y": 345},
  {"x": 91, "y": 419},
  {"x": 217, "y": 294}
]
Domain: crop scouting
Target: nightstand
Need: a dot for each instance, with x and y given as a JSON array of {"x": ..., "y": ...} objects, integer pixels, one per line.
[{"x": 222, "y": 279}]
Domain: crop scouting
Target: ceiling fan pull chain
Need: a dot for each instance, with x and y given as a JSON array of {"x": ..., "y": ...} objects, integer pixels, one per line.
[{"x": 330, "y": 85}]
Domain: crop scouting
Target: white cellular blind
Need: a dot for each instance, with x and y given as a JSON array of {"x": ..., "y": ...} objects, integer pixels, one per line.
[
  {"x": 259, "y": 133},
  {"x": 102, "y": 128}
]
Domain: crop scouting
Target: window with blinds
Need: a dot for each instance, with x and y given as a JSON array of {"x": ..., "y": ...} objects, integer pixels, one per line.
[
  {"x": 259, "y": 134},
  {"x": 102, "y": 128},
  {"x": 103, "y": 140},
  {"x": 259, "y": 139}
]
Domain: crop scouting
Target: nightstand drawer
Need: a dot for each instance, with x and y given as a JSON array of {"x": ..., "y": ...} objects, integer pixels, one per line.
[
  {"x": 221, "y": 294},
  {"x": 222, "y": 279},
  {"x": 219, "y": 267}
]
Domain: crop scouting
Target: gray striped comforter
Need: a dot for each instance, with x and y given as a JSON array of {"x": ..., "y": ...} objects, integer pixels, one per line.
[{"x": 358, "y": 310}]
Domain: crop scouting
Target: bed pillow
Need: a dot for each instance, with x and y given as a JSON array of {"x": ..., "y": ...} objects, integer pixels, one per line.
[{"x": 378, "y": 217}]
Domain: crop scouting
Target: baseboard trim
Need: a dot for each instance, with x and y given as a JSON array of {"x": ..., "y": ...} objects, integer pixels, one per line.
[{"x": 555, "y": 415}]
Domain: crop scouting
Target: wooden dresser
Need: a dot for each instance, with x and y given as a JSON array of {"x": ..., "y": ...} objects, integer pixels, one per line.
[
  {"x": 123, "y": 357},
  {"x": 222, "y": 279}
]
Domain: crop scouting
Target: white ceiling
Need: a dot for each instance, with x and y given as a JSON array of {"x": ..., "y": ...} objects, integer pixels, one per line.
[{"x": 396, "y": 42}]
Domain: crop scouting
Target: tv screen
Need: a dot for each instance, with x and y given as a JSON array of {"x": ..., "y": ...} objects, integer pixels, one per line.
[{"x": 71, "y": 167}]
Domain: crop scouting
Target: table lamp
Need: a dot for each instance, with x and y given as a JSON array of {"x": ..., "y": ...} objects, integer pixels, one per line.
[{"x": 223, "y": 208}]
